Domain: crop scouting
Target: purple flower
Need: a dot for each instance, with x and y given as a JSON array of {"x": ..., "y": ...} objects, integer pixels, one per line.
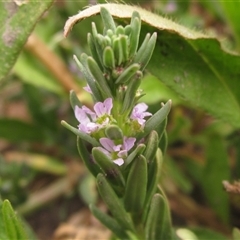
[
  {"x": 139, "y": 113},
  {"x": 90, "y": 121},
  {"x": 117, "y": 152}
]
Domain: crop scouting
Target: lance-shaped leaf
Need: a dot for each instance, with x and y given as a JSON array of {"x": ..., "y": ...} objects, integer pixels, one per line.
[
  {"x": 135, "y": 34},
  {"x": 98, "y": 76},
  {"x": 13, "y": 226},
  {"x": 107, "y": 19},
  {"x": 129, "y": 98},
  {"x": 109, "y": 168},
  {"x": 154, "y": 122},
  {"x": 114, "y": 204},
  {"x": 128, "y": 73},
  {"x": 145, "y": 52},
  {"x": 193, "y": 64},
  {"x": 157, "y": 225},
  {"x": 17, "y": 22},
  {"x": 137, "y": 151},
  {"x": 88, "y": 76},
  {"x": 164, "y": 142},
  {"x": 151, "y": 146},
  {"x": 154, "y": 171},
  {"x": 109, "y": 222},
  {"x": 74, "y": 100},
  {"x": 87, "y": 158},
  {"x": 108, "y": 58},
  {"x": 86, "y": 137},
  {"x": 136, "y": 187}
]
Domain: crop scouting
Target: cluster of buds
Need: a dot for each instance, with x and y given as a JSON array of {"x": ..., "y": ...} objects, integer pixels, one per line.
[{"x": 123, "y": 137}]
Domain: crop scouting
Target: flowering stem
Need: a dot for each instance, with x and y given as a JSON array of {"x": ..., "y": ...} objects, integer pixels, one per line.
[{"x": 123, "y": 152}]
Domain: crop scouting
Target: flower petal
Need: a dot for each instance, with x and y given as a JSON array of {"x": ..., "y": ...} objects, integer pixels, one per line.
[
  {"x": 103, "y": 108},
  {"x": 119, "y": 161},
  {"x": 128, "y": 143},
  {"x": 107, "y": 143},
  {"x": 139, "y": 113},
  {"x": 81, "y": 115},
  {"x": 108, "y": 105},
  {"x": 89, "y": 112},
  {"x": 122, "y": 154}
]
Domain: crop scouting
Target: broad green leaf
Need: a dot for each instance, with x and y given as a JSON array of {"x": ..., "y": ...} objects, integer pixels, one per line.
[
  {"x": 191, "y": 63},
  {"x": 156, "y": 91},
  {"x": 17, "y": 131},
  {"x": 17, "y": 22}
]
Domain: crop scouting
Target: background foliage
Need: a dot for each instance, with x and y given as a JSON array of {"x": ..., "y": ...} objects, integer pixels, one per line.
[{"x": 196, "y": 64}]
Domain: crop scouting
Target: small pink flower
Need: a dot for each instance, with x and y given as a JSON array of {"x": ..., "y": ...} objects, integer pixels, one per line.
[
  {"x": 117, "y": 152},
  {"x": 139, "y": 113},
  {"x": 90, "y": 121}
]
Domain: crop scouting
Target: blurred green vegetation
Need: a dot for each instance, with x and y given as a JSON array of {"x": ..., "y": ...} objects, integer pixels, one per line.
[{"x": 39, "y": 157}]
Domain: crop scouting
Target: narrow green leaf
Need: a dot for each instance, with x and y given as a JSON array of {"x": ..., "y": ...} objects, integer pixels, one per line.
[
  {"x": 86, "y": 137},
  {"x": 128, "y": 74},
  {"x": 164, "y": 142},
  {"x": 88, "y": 76},
  {"x": 193, "y": 64},
  {"x": 135, "y": 34},
  {"x": 154, "y": 171},
  {"x": 18, "y": 21},
  {"x": 166, "y": 230},
  {"x": 117, "y": 49},
  {"x": 109, "y": 222},
  {"x": 143, "y": 57},
  {"x": 124, "y": 47},
  {"x": 99, "y": 49},
  {"x": 153, "y": 218},
  {"x": 3, "y": 234},
  {"x": 74, "y": 100},
  {"x": 98, "y": 76},
  {"x": 107, "y": 19},
  {"x": 155, "y": 121},
  {"x": 87, "y": 158},
  {"x": 136, "y": 187},
  {"x": 151, "y": 146},
  {"x": 130, "y": 94},
  {"x": 93, "y": 49},
  {"x": 137, "y": 151},
  {"x": 13, "y": 226},
  {"x": 114, "y": 203},
  {"x": 111, "y": 170},
  {"x": 108, "y": 58}
]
